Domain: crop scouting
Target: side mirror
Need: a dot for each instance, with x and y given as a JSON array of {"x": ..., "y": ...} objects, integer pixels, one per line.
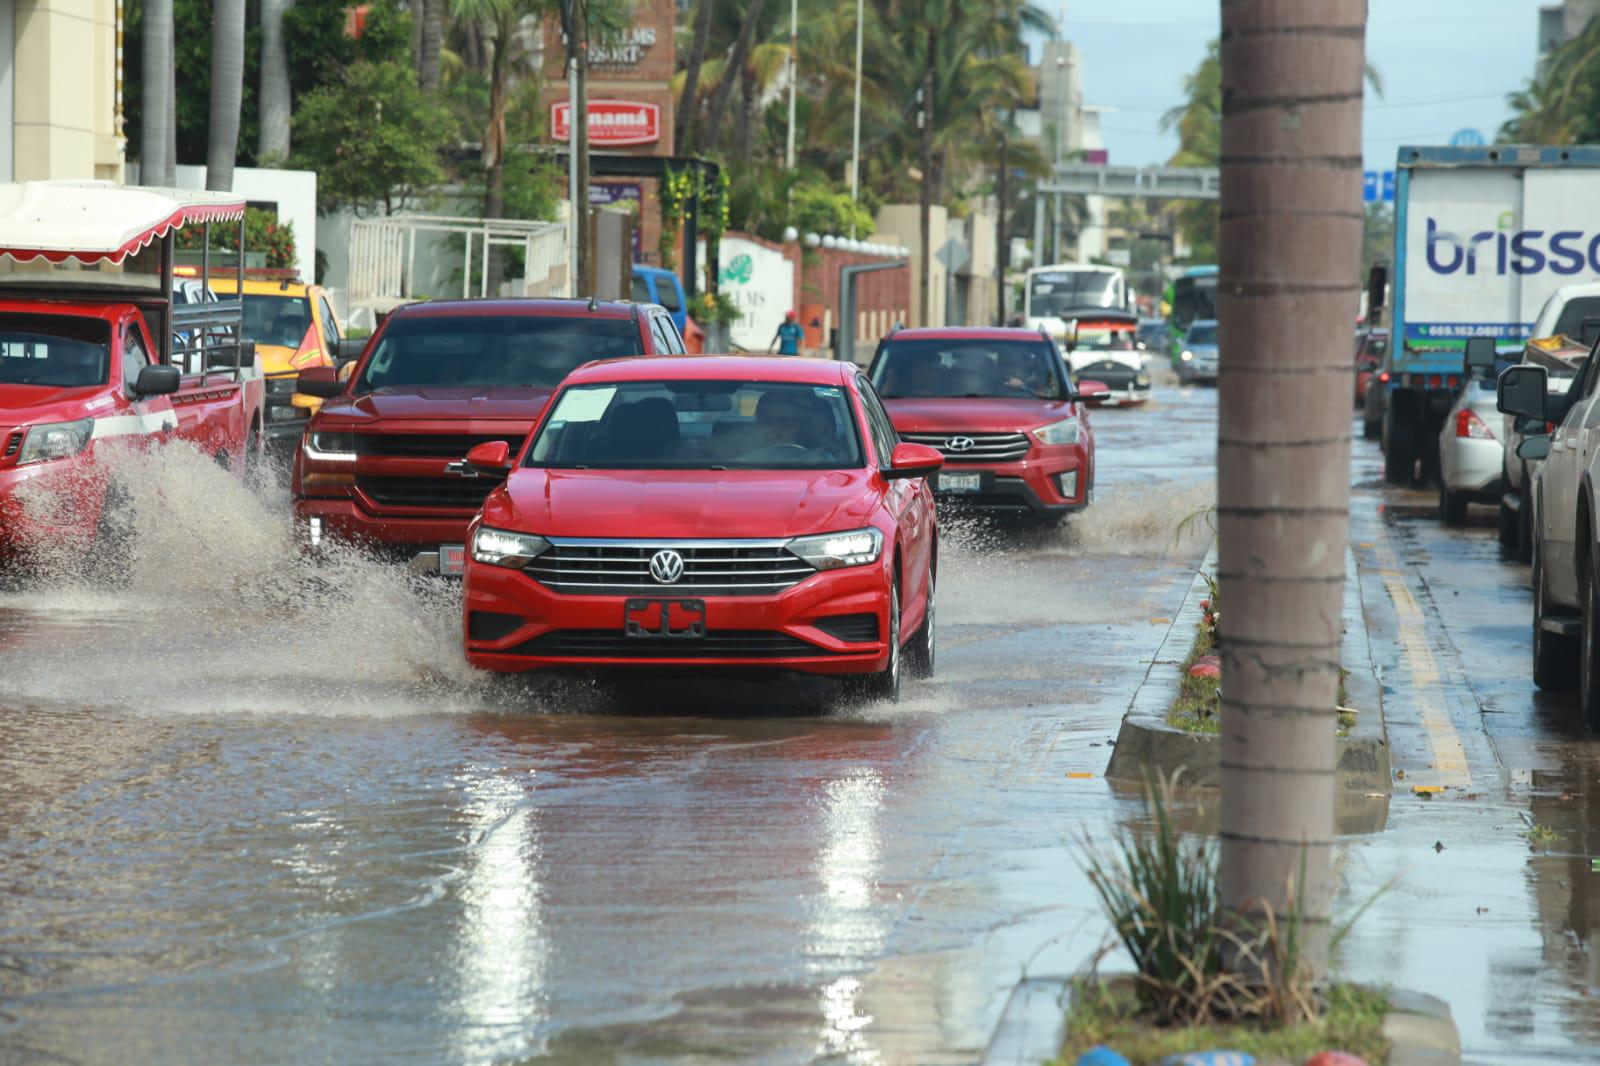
[
  {"x": 1480, "y": 356},
  {"x": 348, "y": 351},
  {"x": 1534, "y": 448},
  {"x": 320, "y": 381},
  {"x": 491, "y": 457},
  {"x": 910, "y": 460},
  {"x": 1093, "y": 391},
  {"x": 157, "y": 381},
  {"x": 1521, "y": 391}
]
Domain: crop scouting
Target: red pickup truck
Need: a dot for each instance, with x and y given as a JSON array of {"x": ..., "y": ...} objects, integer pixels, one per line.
[
  {"x": 97, "y": 360},
  {"x": 380, "y": 463}
]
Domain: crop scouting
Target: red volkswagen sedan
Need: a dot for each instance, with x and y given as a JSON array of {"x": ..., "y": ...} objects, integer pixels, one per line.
[
  {"x": 712, "y": 512},
  {"x": 1000, "y": 407}
]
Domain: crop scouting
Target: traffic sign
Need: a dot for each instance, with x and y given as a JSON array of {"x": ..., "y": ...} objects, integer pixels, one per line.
[
  {"x": 1467, "y": 138},
  {"x": 953, "y": 255},
  {"x": 1388, "y": 186},
  {"x": 1377, "y": 185}
]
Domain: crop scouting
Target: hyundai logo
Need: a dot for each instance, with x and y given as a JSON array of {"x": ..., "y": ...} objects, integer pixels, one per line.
[
  {"x": 961, "y": 444},
  {"x": 666, "y": 566}
]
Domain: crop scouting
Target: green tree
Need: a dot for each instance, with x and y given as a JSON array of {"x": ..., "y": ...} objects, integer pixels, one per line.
[
  {"x": 373, "y": 137},
  {"x": 1558, "y": 105}
]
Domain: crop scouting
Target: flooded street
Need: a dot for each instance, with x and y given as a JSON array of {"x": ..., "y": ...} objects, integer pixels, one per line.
[{"x": 252, "y": 813}]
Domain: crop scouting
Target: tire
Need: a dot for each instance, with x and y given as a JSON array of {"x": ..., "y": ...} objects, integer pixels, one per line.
[
  {"x": 923, "y": 648},
  {"x": 1452, "y": 507},
  {"x": 1507, "y": 528},
  {"x": 1589, "y": 651},
  {"x": 111, "y": 555},
  {"x": 1399, "y": 457},
  {"x": 1371, "y": 430},
  {"x": 1555, "y": 657},
  {"x": 1524, "y": 550},
  {"x": 883, "y": 686}
]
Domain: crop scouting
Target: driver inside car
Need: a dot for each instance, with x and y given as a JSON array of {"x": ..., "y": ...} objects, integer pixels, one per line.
[{"x": 792, "y": 422}]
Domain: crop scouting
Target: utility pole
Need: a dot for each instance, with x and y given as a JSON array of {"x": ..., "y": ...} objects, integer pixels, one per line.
[
  {"x": 1002, "y": 257},
  {"x": 1290, "y": 253},
  {"x": 925, "y": 221},
  {"x": 855, "y": 136},
  {"x": 794, "y": 77},
  {"x": 580, "y": 145}
]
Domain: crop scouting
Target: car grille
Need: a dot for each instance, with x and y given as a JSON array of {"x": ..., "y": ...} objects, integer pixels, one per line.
[
  {"x": 715, "y": 644},
  {"x": 851, "y": 628},
  {"x": 430, "y": 445},
  {"x": 1109, "y": 373},
  {"x": 463, "y": 493},
  {"x": 985, "y": 447},
  {"x": 715, "y": 568}
]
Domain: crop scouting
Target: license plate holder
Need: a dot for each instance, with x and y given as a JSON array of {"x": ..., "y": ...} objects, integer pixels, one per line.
[
  {"x": 452, "y": 559},
  {"x": 664, "y": 619},
  {"x": 960, "y": 483}
]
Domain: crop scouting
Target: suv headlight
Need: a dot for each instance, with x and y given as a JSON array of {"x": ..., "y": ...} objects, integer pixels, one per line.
[
  {"x": 1187, "y": 356},
  {"x": 326, "y": 447},
  {"x": 501, "y": 547},
  {"x": 55, "y": 440},
  {"x": 277, "y": 388},
  {"x": 1062, "y": 432},
  {"x": 830, "y": 551}
]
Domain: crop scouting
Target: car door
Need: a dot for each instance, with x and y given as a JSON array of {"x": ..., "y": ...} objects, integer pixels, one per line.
[
  {"x": 1558, "y": 484},
  {"x": 151, "y": 419},
  {"x": 910, "y": 501}
]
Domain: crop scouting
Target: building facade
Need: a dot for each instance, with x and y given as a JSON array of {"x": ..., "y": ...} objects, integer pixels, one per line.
[{"x": 61, "y": 89}]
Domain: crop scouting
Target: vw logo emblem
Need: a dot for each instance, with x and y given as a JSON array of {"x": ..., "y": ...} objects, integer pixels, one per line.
[
  {"x": 960, "y": 444},
  {"x": 666, "y": 566}
]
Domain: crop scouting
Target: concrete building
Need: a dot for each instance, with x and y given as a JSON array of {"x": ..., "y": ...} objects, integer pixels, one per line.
[
  {"x": 1066, "y": 130},
  {"x": 60, "y": 89},
  {"x": 1560, "y": 23}
]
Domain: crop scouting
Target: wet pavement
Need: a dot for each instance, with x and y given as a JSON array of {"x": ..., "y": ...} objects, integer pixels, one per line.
[{"x": 250, "y": 816}]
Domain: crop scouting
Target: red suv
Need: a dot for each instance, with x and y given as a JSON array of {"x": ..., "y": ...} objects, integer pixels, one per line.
[
  {"x": 712, "y": 512},
  {"x": 1000, "y": 406},
  {"x": 380, "y": 462}
]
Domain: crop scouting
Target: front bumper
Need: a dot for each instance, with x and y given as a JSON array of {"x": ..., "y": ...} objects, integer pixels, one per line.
[
  {"x": 1028, "y": 485},
  {"x": 521, "y": 625},
  {"x": 401, "y": 538},
  {"x": 284, "y": 412},
  {"x": 48, "y": 507}
]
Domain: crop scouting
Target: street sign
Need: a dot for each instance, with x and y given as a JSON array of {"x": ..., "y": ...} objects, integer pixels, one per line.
[
  {"x": 953, "y": 255},
  {"x": 1377, "y": 185},
  {"x": 1388, "y": 186},
  {"x": 1467, "y": 138}
]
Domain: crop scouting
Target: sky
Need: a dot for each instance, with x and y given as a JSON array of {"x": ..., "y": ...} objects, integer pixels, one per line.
[{"x": 1446, "y": 65}]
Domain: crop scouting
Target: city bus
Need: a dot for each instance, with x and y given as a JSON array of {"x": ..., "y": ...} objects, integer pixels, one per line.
[
  {"x": 1194, "y": 295},
  {"x": 1063, "y": 291}
]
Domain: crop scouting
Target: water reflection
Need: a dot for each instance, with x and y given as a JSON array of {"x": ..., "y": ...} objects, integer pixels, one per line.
[{"x": 847, "y": 924}]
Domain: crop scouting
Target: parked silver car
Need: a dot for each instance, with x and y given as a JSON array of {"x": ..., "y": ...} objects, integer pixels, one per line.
[{"x": 1471, "y": 456}]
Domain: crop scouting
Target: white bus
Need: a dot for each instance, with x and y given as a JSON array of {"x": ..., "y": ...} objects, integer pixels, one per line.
[{"x": 1064, "y": 290}]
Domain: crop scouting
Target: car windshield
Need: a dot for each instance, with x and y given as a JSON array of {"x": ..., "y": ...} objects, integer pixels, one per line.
[
  {"x": 276, "y": 320},
  {"x": 1202, "y": 333},
  {"x": 481, "y": 351},
  {"x": 1052, "y": 293},
  {"x": 699, "y": 425},
  {"x": 1374, "y": 349},
  {"x": 965, "y": 367},
  {"x": 1572, "y": 315},
  {"x": 54, "y": 351}
]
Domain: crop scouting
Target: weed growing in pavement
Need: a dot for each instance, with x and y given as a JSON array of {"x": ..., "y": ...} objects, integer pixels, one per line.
[{"x": 1539, "y": 836}]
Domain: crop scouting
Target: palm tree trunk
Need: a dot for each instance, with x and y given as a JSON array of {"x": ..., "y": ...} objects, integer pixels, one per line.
[
  {"x": 580, "y": 146},
  {"x": 494, "y": 146},
  {"x": 157, "y": 58},
  {"x": 925, "y": 194},
  {"x": 748, "y": 93},
  {"x": 170, "y": 177},
  {"x": 730, "y": 74},
  {"x": 432, "y": 41},
  {"x": 227, "y": 92},
  {"x": 688, "y": 103},
  {"x": 1290, "y": 245},
  {"x": 273, "y": 145}
]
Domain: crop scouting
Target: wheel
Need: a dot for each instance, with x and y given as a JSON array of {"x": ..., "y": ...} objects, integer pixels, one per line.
[
  {"x": 111, "y": 554},
  {"x": 1452, "y": 507},
  {"x": 1554, "y": 655},
  {"x": 884, "y": 686},
  {"x": 1507, "y": 528},
  {"x": 1399, "y": 458},
  {"x": 922, "y": 649},
  {"x": 1524, "y": 550},
  {"x": 1371, "y": 430},
  {"x": 1589, "y": 656}
]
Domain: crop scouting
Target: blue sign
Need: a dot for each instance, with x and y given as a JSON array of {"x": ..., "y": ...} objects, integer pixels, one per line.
[
  {"x": 1377, "y": 185},
  {"x": 1465, "y": 138}
]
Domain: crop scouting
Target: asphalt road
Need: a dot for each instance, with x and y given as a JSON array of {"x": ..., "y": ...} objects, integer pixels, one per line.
[{"x": 246, "y": 814}]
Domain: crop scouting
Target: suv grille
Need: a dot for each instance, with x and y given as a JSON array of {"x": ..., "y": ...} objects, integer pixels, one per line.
[
  {"x": 985, "y": 447},
  {"x": 430, "y": 445},
  {"x": 723, "y": 644},
  {"x": 715, "y": 568},
  {"x": 465, "y": 493}
]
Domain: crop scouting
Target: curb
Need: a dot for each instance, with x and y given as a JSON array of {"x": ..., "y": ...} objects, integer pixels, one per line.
[
  {"x": 1033, "y": 1026},
  {"x": 1146, "y": 742}
]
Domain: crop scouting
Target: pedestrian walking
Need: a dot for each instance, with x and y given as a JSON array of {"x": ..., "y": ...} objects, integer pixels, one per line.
[{"x": 787, "y": 339}]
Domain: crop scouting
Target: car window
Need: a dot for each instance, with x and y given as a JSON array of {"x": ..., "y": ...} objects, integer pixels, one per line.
[
  {"x": 1570, "y": 321},
  {"x": 1202, "y": 333},
  {"x": 884, "y": 437},
  {"x": 278, "y": 320},
  {"x": 667, "y": 295},
  {"x": 481, "y": 350},
  {"x": 54, "y": 351},
  {"x": 699, "y": 425},
  {"x": 969, "y": 367},
  {"x": 640, "y": 290},
  {"x": 656, "y": 338},
  {"x": 669, "y": 334},
  {"x": 134, "y": 357},
  {"x": 330, "y": 326}
]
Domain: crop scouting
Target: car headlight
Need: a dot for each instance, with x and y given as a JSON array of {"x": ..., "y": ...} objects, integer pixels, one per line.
[
  {"x": 55, "y": 440},
  {"x": 502, "y": 547},
  {"x": 277, "y": 388},
  {"x": 830, "y": 551},
  {"x": 1187, "y": 355},
  {"x": 1142, "y": 379},
  {"x": 1062, "y": 432},
  {"x": 328, "y": 447}
]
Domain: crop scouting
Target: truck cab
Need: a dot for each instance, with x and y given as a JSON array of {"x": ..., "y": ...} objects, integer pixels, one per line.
[{"x": 98, "y": 358}]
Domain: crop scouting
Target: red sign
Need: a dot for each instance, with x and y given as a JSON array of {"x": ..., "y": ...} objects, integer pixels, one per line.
[{"x": 611, "y": 122}]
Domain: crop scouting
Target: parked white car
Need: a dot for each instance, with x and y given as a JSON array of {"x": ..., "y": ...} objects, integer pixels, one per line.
[
  {"x": 1471, "y": 456},
  {"x": 1561, "y": 362}
]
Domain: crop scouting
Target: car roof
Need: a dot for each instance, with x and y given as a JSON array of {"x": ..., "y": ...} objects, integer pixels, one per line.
[
  {"x": 258, "y": 286},
  {"x": 1582, "y": 288},
  {"x": 1202, "y": 322},
  {"x": 969, "y": 333},
  {"x": 715, "y": 368},
  {"x": 105, "y": 309},
  {"x": 533, "y": 308}
]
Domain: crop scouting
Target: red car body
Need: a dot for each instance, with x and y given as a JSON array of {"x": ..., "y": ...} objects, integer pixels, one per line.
[
  {"x": 1371, "y": 347},
  {"x": 215, "y": 411},
  {"x": 396, "y": 489},
  {"x": 763, "y": 606},
  {"x": 994, "y": 457}
]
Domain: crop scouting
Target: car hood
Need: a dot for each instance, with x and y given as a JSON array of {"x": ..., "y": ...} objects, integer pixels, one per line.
[
  {"x": 935, "y": 414},
  {"x": 440, "y": 401},
  {"x": 648, "y": 504},
  {"x": 26, "y": 405},
  {"x": 1083, "y": 357}
]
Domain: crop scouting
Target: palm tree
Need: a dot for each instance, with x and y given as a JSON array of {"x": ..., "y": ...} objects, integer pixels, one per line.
[
  {"x": 736, "y": 61},
  {"x": 689, "y": 93},
  {"x": 1290, "y": 251},
  {"x": 432, "y": 42},
  {"x": 227, "y": 92},
  {"x": 159, "y": 119},
  {"x": 275, "y": 107}
]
